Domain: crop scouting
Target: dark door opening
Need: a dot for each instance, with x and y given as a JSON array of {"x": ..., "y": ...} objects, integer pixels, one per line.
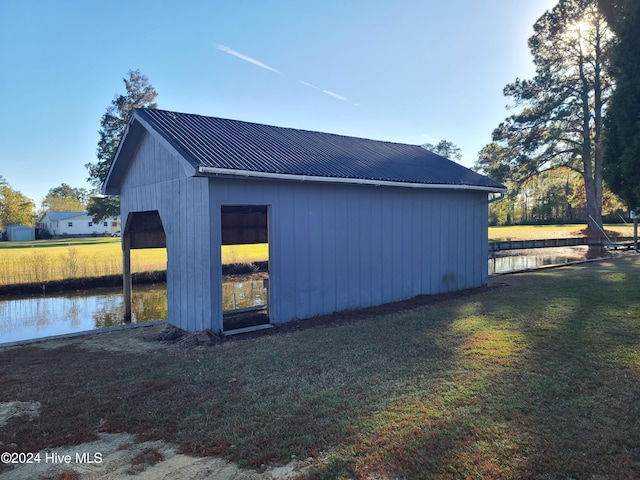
[
  {"x": 245, "y": 267},
  {"x": 141, "y": 230}
]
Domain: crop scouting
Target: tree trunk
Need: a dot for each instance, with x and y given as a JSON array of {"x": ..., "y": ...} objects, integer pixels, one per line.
[
  {"x": 594, "y": 210},
  {"x": 592, "y": 171}
]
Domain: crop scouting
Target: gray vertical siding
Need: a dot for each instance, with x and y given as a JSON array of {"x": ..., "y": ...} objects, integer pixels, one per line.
[
  {"x": 156, "y": 181},
  {"x": 331, "y": 247},
  {"x": 339, "y": 247}
]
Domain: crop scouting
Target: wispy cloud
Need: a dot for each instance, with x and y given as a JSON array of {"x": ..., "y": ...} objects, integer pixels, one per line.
[
  {"x": 309, "y": 84},
  {"x": 246, "y": 58},
  {"x": 335, "y": 95},
  {"x": 328, "y": 92}
]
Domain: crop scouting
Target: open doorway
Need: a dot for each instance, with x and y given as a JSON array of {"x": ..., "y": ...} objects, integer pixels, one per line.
[
  {"x": 142, "y": 231},
  {"x": 245, "y": 267}
]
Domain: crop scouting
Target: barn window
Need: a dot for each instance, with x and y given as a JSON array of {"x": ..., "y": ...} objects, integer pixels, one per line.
[
  {"x": 70, "y": 224},
  {"x": 106, "y": 224},
  {"x": 91, "y": 224}
]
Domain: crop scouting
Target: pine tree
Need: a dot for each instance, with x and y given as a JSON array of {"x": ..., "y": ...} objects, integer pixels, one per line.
[
  {"x": 560, "y": 111},
  {"x": 139, "y": 94}
]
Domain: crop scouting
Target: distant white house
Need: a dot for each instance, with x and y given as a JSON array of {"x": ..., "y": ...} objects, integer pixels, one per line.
[{"x": 76, "y": 224}]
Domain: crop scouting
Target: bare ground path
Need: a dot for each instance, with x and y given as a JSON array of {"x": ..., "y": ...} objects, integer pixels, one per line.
[
  {"x": 117, "y": 455},
  {"x": 120, "y": 455}
]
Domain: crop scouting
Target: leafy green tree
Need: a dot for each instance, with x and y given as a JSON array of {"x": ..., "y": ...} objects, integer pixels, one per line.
[
  {"x": 558, "y": 122},
  {"x": 101, "y": 207},
  {"x": 445, "y": 149},
  {"x": 622, "y": 123},
  {"x": 139, "y": 94},
  {"x": 65, "y": 199},
  {"x": 556, "y": 196},
  {"x": 15, "y": 208}
]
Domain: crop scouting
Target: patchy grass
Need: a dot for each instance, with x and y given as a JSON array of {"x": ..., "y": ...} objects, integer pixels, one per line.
[
  {"x": 533, "y": 378},
  {"x": 51, "y": 260}
]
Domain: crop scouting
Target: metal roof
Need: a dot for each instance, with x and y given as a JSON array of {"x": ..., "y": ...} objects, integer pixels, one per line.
[
  {"x": 57, "y": 216},
  {"x": 231, "y": 147}
]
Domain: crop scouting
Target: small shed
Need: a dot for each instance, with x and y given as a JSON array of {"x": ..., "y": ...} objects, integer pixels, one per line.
[
  {"x": 349, "y": 222},
  {"x": 20, "y": 233}
]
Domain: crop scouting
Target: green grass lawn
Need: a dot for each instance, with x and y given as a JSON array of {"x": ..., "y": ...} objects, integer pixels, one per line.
[{"x": 534, "y": 377}]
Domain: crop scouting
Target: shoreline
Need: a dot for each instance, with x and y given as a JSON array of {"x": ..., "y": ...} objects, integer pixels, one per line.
[
  {"x": 140, "y": 278},
  {"x": 85, "y": 283}
]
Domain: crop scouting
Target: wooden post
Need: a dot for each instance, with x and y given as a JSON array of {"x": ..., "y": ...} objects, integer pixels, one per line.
[
  {"x": 126, "y": 274},
  {"x": 635, "y": 232}
]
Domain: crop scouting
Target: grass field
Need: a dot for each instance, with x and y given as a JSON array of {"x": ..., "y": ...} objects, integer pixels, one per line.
[
  {"x": 535, "y": 377},
  {"x": 46, "y": 260},
  {"x": 540, "y": 232}
]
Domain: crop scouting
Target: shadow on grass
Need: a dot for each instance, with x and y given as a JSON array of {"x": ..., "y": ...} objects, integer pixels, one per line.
[
  {"x": 544, "y": 386},
  {"x": 537, "y": 379}
]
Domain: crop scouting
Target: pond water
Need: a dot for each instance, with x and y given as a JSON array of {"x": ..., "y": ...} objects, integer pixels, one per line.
[
  {"x": 525, "y": 259},
  {"x": 42, "y": 316}
]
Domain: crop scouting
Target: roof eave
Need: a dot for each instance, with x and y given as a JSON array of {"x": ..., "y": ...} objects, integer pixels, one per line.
[
  {"x": 128, "y": 143},
  {"x": 226, "y": 172}
]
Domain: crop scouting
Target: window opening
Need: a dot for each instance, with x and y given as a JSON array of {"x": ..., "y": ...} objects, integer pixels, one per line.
[{"x": 245, "y": 267}]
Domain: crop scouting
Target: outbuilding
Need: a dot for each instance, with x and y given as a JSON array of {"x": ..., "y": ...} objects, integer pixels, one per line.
[
  {"x": 20, "y": 233},
  {"x": 350, "y": 222}
]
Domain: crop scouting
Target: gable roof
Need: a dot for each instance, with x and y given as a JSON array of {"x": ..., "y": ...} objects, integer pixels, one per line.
[
  {"x": 216, "y": 146},
  {"x": 57, "y": 216}
]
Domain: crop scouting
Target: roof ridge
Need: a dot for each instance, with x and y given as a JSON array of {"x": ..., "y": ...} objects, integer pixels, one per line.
[
  {"x": 219, "y": 146},
  {"x": 278, "y": 126}
]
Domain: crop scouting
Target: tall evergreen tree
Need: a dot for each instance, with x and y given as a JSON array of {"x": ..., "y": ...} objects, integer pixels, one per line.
[
  {"x": 559, "y": 112},
  {"x": 139, "y": 94},
  {"x": 622, "y": 123}
]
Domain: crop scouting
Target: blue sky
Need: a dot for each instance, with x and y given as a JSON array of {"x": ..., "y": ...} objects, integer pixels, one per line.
[{"x": 405, "y": 71}]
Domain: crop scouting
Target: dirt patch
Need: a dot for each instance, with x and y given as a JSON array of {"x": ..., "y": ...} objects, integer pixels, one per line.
[
  {"x": 175, "y": 336},
  {"x": 9, "y": 410},
  {"x": 134, "y": 338},
  {"x": 117, "y": 455}
]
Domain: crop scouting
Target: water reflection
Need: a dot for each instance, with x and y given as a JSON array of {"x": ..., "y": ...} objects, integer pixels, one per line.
[
  {"x": 516, "y": 260},
  {"x": 42, "y": 316},
  {"x": 242, "y": 291},
  {"x": 47, "y": 315}
]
